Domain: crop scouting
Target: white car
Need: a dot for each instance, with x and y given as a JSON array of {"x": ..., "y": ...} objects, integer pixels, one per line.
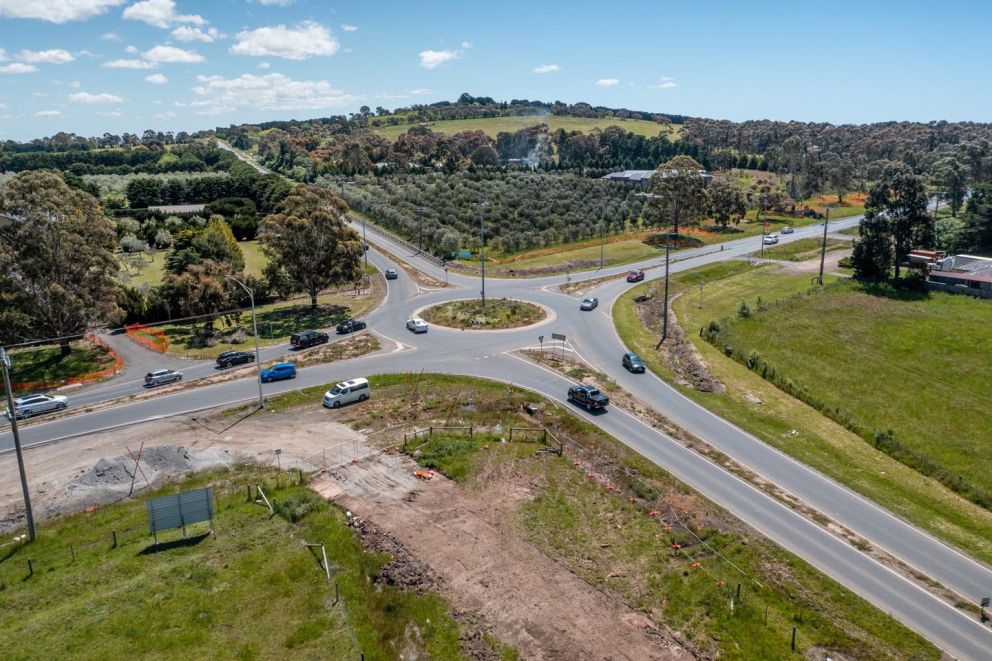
[
  {"x": 770, "y": 239},
  {"x": 25, "y": 407},
  {"x": 787, "y": 230},
  {"x": 417, "y": 325},
  {"x": 346, "y": 392}
]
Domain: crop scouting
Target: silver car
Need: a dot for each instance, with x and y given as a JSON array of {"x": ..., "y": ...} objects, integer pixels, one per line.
[
  {"x": 25, "y": 407},
  {"x": 589, "y": 304},
  {"x": 158, "y": 377}
]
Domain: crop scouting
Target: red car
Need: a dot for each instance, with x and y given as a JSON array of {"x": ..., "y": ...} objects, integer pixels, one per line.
[{"x": 635, "y": 276}]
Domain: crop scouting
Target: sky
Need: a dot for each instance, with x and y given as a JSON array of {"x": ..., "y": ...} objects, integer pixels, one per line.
[{"x": 95, "y": 66}]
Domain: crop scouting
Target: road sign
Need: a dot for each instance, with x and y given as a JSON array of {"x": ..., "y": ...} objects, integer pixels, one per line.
[
  {"x": 540, "y": 338},
  {"x": 557, "y": 336}
]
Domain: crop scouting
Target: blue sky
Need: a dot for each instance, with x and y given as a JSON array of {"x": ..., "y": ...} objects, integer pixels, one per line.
[{"x": 92, "y": 66}]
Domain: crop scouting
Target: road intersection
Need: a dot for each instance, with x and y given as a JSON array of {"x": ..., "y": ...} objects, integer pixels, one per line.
[{"x": 592, "y": 335}]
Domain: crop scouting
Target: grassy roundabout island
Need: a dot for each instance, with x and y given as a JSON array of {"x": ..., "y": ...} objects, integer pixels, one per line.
[{"x": 498, "y": 314}]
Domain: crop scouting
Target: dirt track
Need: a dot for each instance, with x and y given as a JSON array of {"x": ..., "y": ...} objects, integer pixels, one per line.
[{"x": 467, "y": 538}]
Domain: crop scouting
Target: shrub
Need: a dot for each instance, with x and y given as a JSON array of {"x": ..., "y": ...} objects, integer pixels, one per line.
[
  {"x": 297, "y": 506},
  {"x": 130, "y": 243},
  {"x": 744, "y": 310},
  {"x": 163, "y": 238}
]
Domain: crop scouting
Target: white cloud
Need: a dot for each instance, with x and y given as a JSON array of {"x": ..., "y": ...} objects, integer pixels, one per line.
[
  {"x": 18, "y": 67},
  {"x": 111, "y": 36},
  {"x": 264, "y": 65},
  {"x": 157, "y": 79},
  {"x": 74, "y": 84},
  {"x": 187, "y": 33},
  {"x": 2, "y": 105},
  {"x": 350, "y": 28},
  {"x": 546, "y": 68},
  {"x": 307, "y": 40},
  {"x": 466, "y": 45},
  {"x": 55, "y": 56},
  {"x": 56, "y": 11},
  {"x": 3, "y": 55},
  {"x": 48, "y": 113},
  {"x": 160, "y": 13},
  {"x": 86, "y": 97},
  {"x": 420, "y": 91},
  {"x": 667, "y": 82},
  {"x": 133, "y": 50},
  {"x": 129, "y": 64},
  {"x": 165, "y": 115},
  {"x": 432, "y": 59},
  {"x": 274, "y": 91},
  {"x": 86, "y": 53},
  {"x": 171, "y": 54},
  {"x": 39, "y": 95},
  {"x": 111, "y": 113},
  {"x": 275, "y": 3},
  {"x": 607, "y": 82}
]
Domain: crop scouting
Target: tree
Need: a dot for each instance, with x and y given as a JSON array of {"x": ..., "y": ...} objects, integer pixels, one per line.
[
  {"x": 726, "y": 202},
  {"x": 951, "y": 179},
  {"x": 199, "y": 290},
  {"x": 57, "y": 265},
  {"x": 873, "y": 250},
  {"x": 897, "y": 207},
  {"x": 679, "y": 193},
  {"x": 839, "y": 173},
  {"x": 214, "y": 242},
  {"x": 976, "y": 235},
  {"x": 308, "y": 239}
]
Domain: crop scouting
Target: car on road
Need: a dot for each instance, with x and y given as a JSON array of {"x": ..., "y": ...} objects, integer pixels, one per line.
[
  {"x": 635, "y": 276},
  {"x": 633, "y": 363},
  {"x": 787, "y": 230},
  {"x": 391, "y": 274},
  {"x": 770, "y": 239},
  {"x": 346, "y": 392},
  {"x": 229, "y": 358},
  {"x": 308, "y": 339},
  {"x": 28, "y": 405},
  {"x": 589, "y": 304},
  {"x": 278, "y": 372},
  {"x": 589, "y": 397},
  {"x": 417, "y": 325},
  {"x": 158, "y": 377},
  {"x": 351, "y": 325}
]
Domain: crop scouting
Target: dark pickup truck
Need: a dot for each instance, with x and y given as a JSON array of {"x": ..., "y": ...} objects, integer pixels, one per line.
[{"x": 589, "y": 397}]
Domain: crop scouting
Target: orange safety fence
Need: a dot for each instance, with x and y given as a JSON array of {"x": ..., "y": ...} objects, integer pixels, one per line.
[
  {"x": 150, "y": 338},
  {"x": 27, "y": 386}
]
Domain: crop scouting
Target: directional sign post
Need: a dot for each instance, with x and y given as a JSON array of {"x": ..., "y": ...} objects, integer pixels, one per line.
[
  {"x": 561, "y": 338},
  {"x": 540, "y": 338}
]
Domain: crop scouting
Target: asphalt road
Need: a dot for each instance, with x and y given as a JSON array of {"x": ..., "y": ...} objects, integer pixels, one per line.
[{"x": 592, "y": 335}]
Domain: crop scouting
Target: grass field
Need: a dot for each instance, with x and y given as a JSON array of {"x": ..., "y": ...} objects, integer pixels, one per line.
[
  {"x": 499, "y": 313},
  {"x": 276, "y": 322},
  {"x": 46, "y": 363},
  {"x": 251, "y": 591},
  {"x": 881, "y": 359},
  {"x": 790, "y": 425},
  {"x": 494, "y": 125},
  {"x": 153, "y": 271},
  {"x": 803, "y": 249}
]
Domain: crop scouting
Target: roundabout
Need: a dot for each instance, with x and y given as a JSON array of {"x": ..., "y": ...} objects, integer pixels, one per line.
[{"x": 494, "y": 314}]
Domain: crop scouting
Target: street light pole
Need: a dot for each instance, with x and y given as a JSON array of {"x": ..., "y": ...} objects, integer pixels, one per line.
[
  {"x": 5, "y": 360},
  {"x": 254, "y": 325},
  {"x": 602, "y": 238}
]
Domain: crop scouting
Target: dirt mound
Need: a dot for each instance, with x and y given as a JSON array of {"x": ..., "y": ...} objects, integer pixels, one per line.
[
  {"x": 679, "y": 353},
  {"x": 404, "y": 571}
]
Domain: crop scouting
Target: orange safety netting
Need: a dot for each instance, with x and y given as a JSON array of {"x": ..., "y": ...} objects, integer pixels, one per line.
[
  {"x": 28, "y": 386},
  {"x": 150, "y": 338}
]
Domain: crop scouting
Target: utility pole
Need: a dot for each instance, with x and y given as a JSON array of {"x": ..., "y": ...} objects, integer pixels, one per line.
[
  {"x": 602, "y": 239},
  {"x": 482, "y": 258},
  {"x": 5, "y": 360},
  {"x": 365, "y": 241},
  {"x": 664, "y": 327},
  {"x": 823, "y": 248},
  {"x": 254, "y": 324}
]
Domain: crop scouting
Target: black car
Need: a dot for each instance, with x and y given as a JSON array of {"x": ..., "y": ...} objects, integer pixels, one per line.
[
  {"x": 633, "y": 363},
  {"x": 351, "y": 325},
  {"x": 308, "y": 339},
  {"x": 588, "y": 396},
  {"x": 229, "y": 358}
]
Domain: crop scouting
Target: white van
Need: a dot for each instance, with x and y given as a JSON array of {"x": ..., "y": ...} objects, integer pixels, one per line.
[
  {"x": 346, "y": 392},
  {"x": 417, "y": 325}
]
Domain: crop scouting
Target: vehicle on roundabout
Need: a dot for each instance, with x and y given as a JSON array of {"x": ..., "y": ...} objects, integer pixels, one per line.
[
  {"x": 279, "y": 372},
  {"x": 158, "y": 377},
  {"x": 230, "y": 358},
  {"x": 787, "y": 230},
  {"x": 346, "y": 392},
  {"x": 350, "y": 326},
  {"x": 391, "y": 274},
  {"x": 589, "y": 304},
  {"x": 770, "y": 239},
  {"x": 308, "y": 339},
  {"x": 416, "y": 324},
  {"x": 633, "y": 363},
  {"x": 635, "y": 276},
  {"x": 29, "y": 405},
  {"x": 588, "y": 397}
]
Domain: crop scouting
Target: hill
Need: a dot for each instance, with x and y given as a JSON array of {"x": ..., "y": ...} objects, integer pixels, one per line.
[{"x": 494, "y": 125}]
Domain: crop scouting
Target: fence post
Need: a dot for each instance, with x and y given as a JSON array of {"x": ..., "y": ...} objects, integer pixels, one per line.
[
  {"x": 114, "y": 533},
  {"x": 30, "y": 567},
  {"x": 793, "y": 639},
  {"x": 73, "y": 552},
  {"x": 470, "y": 430},
  {"x": 301, "y": 482},
  {"x": 511, "y": 434}
]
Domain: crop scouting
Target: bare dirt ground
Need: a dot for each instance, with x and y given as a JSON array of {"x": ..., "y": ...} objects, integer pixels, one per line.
[
  {"x": 74, "y": 474},
  {"x": 830, "y": 263},
  {"x": 464, "y": 541}
]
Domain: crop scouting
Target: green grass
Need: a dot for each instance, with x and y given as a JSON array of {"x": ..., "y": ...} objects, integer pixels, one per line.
[
  {"x": 276, "y": 322},
  {"x": 494, "y": 125},
  {"x": 785, "y": 422},
  {"x": 803, "y": 249},
  {"x": 46, "y": 363},
  {"x": 499, "y": 313},
  {"x": 153, "y": 271},
  {"x": 252, "y": 591},
  {"x": 880, "y": 359}
]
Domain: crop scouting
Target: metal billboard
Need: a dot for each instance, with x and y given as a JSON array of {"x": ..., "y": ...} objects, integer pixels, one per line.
[{"x": 178, "y": 510}]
